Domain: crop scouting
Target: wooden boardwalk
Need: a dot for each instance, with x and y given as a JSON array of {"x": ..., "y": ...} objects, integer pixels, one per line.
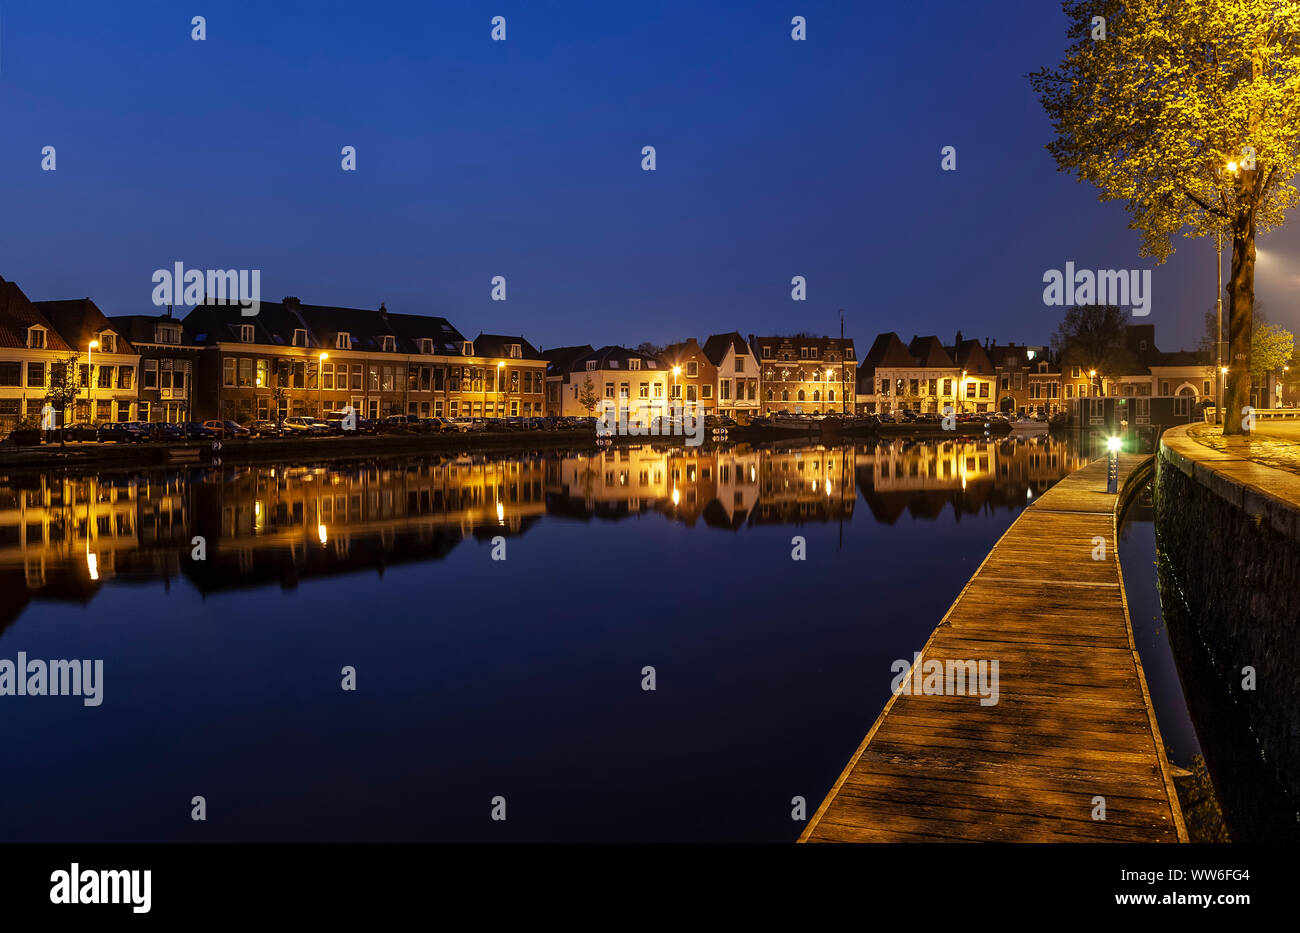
[{"x": 1073, "y": 720}]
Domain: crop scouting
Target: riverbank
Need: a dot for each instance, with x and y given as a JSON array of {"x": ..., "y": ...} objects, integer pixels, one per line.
[{"x": 1232, "y": 600}]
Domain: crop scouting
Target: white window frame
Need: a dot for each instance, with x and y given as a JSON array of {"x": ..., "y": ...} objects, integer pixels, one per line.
[{"x": 246, "y": 334}]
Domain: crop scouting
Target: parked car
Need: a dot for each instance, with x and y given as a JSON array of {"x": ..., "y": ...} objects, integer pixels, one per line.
[
  {"x": 235, "y": 429},
  {"x": 197, "y": 430},
  {"x": 336, "y": 421},
  {"x": 122, "y": 432},
  {"x": 265, "y": 429},
  {"x": 81, "y": 432},
  {"x": 438, "y": 425},
  {"x": 164, "y": 431},
  {"x": 302, "y": 425},
  {"x": 470, "y": 424},
  {"x": 405, "y": 424}
]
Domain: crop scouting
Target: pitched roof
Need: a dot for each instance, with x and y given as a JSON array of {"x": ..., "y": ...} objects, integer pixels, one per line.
[
  {"x": 559, "y": 360},
  {"x": 715, "y": 348},
  {"x": 276, "y": 321},
  {"x": 142, "y": 328},
  {"x": 618, "y": 356},
  {"x": 971, "y": 356},
  {"x": 79, "y": 321},
  {"x": 497, "y": 346},
  {"x": 930, "y": 353},
  {"x": 17, "y": 313}
]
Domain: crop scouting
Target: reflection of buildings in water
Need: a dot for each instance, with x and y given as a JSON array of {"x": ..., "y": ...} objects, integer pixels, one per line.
[
  {"x": 724, "y": 487},
  {"x": 922, "y": 477},
  {"x": 809, "y": 484},
  {"x": 61, "y": 537},
  {"x": 288, "y": 523},
  {"x": 613, "y": 483}
]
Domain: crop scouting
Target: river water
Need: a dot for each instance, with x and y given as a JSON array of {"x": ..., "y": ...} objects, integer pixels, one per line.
[{"x": 499, "y": 619}]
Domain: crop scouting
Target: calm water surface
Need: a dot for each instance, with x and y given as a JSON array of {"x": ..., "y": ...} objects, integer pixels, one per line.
[{"x": 478, "y": 677}]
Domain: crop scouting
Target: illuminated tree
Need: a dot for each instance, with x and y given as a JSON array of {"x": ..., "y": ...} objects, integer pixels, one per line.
[{"x": 1189, "y": 112}]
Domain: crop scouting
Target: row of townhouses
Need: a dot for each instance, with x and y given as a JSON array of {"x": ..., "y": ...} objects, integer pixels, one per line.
[
  {"x": 726, "y": 375},
  {"x": 299, "y": 359},
  {"x": 928, "y": 376}
]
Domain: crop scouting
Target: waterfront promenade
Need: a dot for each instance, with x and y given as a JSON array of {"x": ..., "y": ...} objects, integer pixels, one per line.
[{"x": 1073, "y": 729}]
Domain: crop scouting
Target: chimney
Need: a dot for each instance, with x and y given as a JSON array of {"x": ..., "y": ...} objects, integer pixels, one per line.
[
  {"x": 383, "y": 311},
  {"x": 290, "y": 303}
]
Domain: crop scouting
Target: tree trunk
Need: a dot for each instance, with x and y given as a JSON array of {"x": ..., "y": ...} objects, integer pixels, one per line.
[{"x": 1241, "y": 313}]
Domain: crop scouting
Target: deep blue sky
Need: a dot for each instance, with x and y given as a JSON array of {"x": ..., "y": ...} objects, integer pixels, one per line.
[{"x": 522, "y": 158}]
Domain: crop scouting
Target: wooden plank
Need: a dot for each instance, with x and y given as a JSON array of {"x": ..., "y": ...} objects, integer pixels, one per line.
[{"x": 1073, "y": 718}]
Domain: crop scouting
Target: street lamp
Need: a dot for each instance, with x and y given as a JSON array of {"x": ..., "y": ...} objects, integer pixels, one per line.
[
  {"x": 1112, "y": 466},
  {"x": 677, "y": 371},
  {"x": 961, "y": 391},
  {"x": 320, "y": 385},
  {"x": 501, "y": 386},
  {"x": 90, "y": 381}
]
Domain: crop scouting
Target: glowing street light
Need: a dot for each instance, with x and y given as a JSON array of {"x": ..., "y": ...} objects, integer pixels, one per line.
[
  {"x": 320, "y": 389},
  {"x": 90, "y": 384},
  {"x": 1112, "y": 466}
]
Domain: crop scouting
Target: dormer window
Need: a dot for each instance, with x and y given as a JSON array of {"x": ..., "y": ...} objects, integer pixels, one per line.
[
  {"x": 108, "y": 343},
  {"x": 167, "y": 333},
  {"x": 426, "y": 344},
  {"x": 245, "y": 333},
  {"x": 390, "y": 343},
  {"x": 36, "y": 338},
  {"x": 342, "y": 340},
  {"x": 767, "y": 353},
  {"x": 516, "y": 351},
  {"x": 467, "y": 348},
  {"x": 848, "y": 353},
  {"x": 613, "y": 364},
  {"x": 633, "y": 364},
  {"x": 591, "y": 366},
  {"x": 299, "y": 337}
]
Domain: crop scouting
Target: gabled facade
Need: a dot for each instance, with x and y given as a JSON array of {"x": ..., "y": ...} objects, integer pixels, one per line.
[
  {"x": 109, "y": 373},
  {"x": 694, "y": 383},
  {"x": 30, "y": 348},
  {"x": 978, "y": 384},
  {"x": 805, "y": 374},
  {"x": 919, "y": 377},
  {"x": 168, "y": 361},
  {"x": 1013, "y": 363},
  {"x": 738, "y": 376}
]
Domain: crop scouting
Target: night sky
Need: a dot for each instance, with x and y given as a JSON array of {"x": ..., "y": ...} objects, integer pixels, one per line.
[{"x": 523, "y": 158}]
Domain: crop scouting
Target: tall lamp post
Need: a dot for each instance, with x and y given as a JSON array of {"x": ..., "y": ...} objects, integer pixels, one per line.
[
  {"x": 90, "y": 381},
  {"x": 320, "y": 385},
  {"x": 501, "y": 387},
  {"x": 677, "y": 371},
  {"x": 961, "y": 391}
]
